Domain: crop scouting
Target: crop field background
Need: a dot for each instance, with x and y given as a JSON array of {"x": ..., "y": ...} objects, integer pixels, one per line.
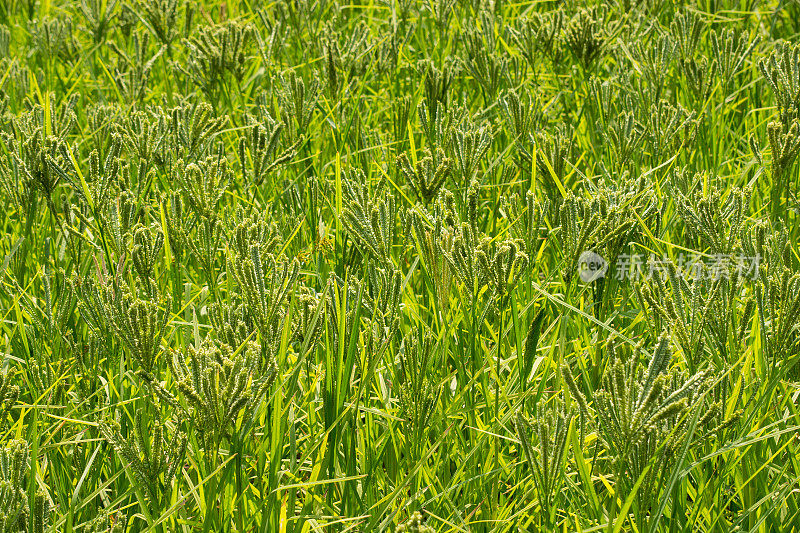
[{"x": 399, "y": 265}]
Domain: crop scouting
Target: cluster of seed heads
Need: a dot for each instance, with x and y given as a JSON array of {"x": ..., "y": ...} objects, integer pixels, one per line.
[
  {"x": 217, "y": 381},
  {"x": 17, "y": 510},
  {"x": 428, "y": 175},
  {"x": 419, "y": 392},
  {"x": 217, "y": 52},
  {"x": 643, "y": 414},
  {"x": 414, "y": 524},
  {"x": 544, "y": 442},
  {"x": 139, "y": 321},
  {"x": 154, "y": 453}
]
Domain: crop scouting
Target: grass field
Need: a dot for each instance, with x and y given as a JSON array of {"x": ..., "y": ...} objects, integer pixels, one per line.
[{"x": 399, "y": 265}]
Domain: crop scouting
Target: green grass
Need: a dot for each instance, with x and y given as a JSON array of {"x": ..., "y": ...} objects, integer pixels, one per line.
[{"x": 313, "y": 266}]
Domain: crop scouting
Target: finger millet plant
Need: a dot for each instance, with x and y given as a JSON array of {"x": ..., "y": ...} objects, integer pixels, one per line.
[{"x": 399, "y": 265}]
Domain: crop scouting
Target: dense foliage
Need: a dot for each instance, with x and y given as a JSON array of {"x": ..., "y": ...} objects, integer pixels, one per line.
[{"x": 399, "y": 265}]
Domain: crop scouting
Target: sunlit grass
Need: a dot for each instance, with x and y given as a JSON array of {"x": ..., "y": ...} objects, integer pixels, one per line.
[{"x": 322, "y": 266}]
